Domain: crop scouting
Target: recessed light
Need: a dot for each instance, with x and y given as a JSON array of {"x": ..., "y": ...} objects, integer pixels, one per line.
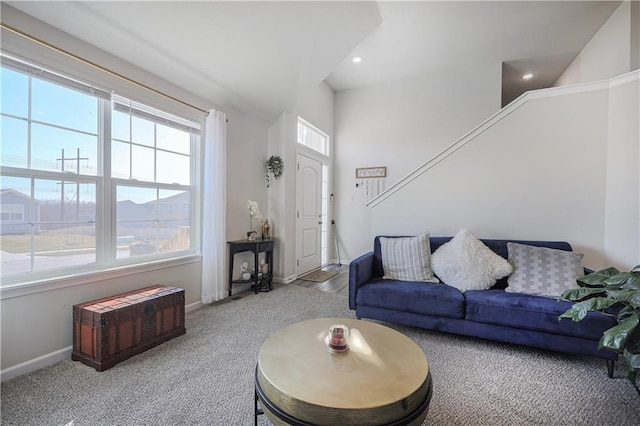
[
  {"x": 356, "y": 59},
  {"x": 527, "y": 76}
]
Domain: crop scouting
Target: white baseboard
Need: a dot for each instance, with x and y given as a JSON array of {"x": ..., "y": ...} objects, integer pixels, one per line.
[
  {"x": 35, "y": 364},
  {"x": 57, "y": 356},
  {"x": 193, "y": 306},
  {"x": 285, "y": 280}
]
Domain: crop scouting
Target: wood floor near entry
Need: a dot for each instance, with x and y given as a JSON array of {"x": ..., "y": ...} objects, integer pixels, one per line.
[{"x": 338, "y": 284}]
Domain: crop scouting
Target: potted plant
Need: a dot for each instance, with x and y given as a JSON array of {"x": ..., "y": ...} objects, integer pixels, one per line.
[
  {"x": 610, "y": 288},
  {"x": 275, "y": 165}
]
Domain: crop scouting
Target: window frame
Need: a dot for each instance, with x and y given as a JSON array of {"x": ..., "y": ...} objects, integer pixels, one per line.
[
  {"x": 106, "y": 264},
  {"x": 304, "y": 123}
]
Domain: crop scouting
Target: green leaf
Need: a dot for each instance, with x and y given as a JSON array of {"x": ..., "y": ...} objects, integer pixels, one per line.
[
  {"x": 633, "y": 360},
  {"x": 620, "y": 279},
  {"x": 579, "y": 310},
  {"x": 598, "y": 277},
  {"x": 581, "y": 293},
  {"x": 627, "y": 297},
  {"x": 633, "y": 283},
  {"x": 615, "y": 338},
  {"x": 625, "y": 312},
  {"x": 636, "y": 268},
  {"x": 634, "y": 300},
  {"x": 620, "y": 295},
  {"x": 633, "y": 365},
  {"x": 576, "y": 313}
]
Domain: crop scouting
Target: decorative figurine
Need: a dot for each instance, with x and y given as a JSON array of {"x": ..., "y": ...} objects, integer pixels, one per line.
[
  {"x": 245, "y": 271},
  {"x": 266, "y": 230},
  {"x": 251, "y": 235}
]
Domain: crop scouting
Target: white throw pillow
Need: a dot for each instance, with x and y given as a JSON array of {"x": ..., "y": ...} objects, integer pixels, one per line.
[
  {"x": 467, "y": 264},
  {"x": 543, "y": 271},
  {"x": 407, "y": 258}
]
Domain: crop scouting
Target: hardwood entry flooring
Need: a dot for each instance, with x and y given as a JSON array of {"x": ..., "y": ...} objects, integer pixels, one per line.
[{"x": 338, "y": 284}]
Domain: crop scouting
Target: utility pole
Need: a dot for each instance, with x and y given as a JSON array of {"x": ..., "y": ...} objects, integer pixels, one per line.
[
  {"x": 62, "y": 160},
  {"x": 62, "y": 192}
]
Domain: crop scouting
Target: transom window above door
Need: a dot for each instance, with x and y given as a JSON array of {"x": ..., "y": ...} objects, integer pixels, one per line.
[{"x": 312, "y": 137}]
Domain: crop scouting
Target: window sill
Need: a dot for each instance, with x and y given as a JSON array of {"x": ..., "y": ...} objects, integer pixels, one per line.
[{"x": 33, "y": 287}]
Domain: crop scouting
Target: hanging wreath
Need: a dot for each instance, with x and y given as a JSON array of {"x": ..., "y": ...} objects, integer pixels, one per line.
[{"x": 275, "y": 166}]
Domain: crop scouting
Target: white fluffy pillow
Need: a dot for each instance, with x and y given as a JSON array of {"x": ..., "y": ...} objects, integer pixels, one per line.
[
  {"x": 467, "y": 264},
  {"x": 407, "y": 258}
]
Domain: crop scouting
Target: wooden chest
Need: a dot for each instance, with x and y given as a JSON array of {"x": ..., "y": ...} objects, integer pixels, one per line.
[{"x": 110, "y": 330}]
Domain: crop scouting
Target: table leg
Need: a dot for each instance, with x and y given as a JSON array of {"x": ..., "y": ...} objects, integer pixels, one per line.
[
  {"x": 270, "y": 260},
  {"x": 230, "y": 271},
  {"x": 255, "y": 408},
  {"x": 256, "y": 270}
]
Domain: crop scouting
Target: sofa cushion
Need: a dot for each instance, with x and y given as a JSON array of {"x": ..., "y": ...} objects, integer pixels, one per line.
[
  {"x": 530, "y": 312},
  {"x": 543, "y": 271},
  {"x": 497, "y": 246},
  {"x": 416, "y": 297},
  {"x": 407, "y": 259},
  {"x": 467, "y": 264}
]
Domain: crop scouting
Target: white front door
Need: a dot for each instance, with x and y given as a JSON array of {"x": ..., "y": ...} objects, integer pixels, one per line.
[{"x": 309, "y": 214}]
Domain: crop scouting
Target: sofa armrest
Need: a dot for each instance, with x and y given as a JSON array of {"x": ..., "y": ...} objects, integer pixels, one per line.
[{"x": 360, "y": 271}]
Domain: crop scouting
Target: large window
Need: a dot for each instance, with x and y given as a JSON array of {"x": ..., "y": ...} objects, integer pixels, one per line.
[{"x": 88, "y": 180}]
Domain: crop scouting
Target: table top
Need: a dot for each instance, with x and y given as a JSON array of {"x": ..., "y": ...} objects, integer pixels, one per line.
[
  {"x": 256, "y": 241},
  {"x": 381, "y": 367}
]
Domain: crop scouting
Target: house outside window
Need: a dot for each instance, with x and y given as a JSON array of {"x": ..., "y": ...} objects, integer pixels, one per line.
[
  {"x": 80, "y": 195},
  {"x": 12, "y": 212}
]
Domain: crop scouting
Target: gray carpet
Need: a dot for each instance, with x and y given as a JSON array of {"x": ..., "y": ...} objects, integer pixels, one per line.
[{"x": 206, "y": 376}]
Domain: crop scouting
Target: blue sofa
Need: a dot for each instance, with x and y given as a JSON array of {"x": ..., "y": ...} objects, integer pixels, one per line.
[{"x": 490, "y": 314}]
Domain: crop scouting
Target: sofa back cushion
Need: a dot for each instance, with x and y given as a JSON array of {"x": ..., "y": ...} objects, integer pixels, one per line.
[{"x": 498, "y": 246}]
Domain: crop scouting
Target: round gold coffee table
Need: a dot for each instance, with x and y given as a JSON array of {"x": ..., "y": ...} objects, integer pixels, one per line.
[{"x": 383, "y": 379}]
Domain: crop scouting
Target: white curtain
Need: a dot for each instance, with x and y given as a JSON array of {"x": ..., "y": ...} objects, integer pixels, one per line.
[{"x": 214, "y": 241}]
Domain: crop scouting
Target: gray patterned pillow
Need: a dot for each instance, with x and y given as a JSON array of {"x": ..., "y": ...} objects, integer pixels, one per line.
[
  {"x": 543, "y": 271},
  {"x": 407, "y": 258}
]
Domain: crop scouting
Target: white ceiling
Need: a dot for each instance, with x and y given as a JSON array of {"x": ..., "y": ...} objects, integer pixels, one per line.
[{"x": 260, "y": 57}]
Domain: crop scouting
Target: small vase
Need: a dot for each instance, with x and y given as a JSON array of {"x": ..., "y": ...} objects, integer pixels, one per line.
[{"x": 266, "y": 230}]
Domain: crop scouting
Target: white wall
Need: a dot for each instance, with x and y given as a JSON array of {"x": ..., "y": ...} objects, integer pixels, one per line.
[
  {"x": 607, "y": 54},
  {"x": 18, "y": 45},
  {"x": 246, "y": 154},
  {"x": 401, "y": 125},
  {"x": 40, "y": 325},
  {"x": 622, "y": 219},
  {"x": 635, "y": 35},
  {"x": 36, "y": 329},
  {"x": 538, "y": 174},
  {"x": 317, "y": 107}
]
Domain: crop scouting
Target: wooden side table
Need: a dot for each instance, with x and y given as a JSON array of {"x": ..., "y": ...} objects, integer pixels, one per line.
[{"x": 260, "y": 282}]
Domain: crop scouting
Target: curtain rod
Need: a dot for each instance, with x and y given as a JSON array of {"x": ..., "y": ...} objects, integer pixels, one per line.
[{"x": 93, "y": 64}]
